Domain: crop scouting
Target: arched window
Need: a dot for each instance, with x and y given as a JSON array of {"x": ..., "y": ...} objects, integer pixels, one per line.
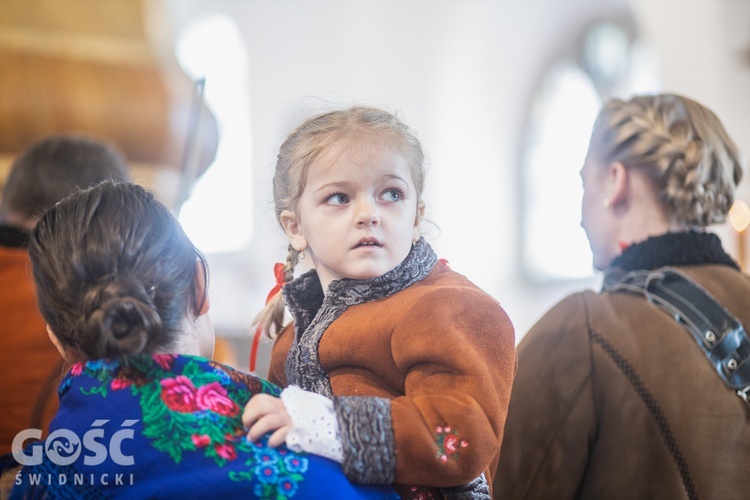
[
  {"x": 563, "y": 110},
  {"x": 609, "y": 61},
  {"x": 223, "y": 195}
]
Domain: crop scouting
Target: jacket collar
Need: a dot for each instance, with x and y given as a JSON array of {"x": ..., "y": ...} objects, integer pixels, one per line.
[
  {"x": 314, "y": 312},
  {"x": 685, "y": 248},
  {"x": 304, "y": 296}
]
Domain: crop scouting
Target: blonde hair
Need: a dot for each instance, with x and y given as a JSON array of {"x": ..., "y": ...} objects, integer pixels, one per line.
[
  {"x": 357, "y": 125},
  {"x": 682, "y": 147}
]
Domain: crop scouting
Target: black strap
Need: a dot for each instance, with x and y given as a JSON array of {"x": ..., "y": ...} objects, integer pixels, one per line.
[{"x": 718, "y": 333}]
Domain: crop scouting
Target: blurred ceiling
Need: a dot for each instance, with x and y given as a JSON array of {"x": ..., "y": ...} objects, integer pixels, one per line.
[{"x": 105, "y": 69}]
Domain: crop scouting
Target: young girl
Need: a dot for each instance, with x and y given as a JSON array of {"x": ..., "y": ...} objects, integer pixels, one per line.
[
  {"x": 407, "y": 362},
  {"x": 143, "y": 411}
]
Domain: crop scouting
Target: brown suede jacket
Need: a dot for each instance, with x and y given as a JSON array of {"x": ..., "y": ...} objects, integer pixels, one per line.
[
  {"x": 420, "y": 374},
  {"x": 614, "y": 399},
  {"x": 30, "y": 366}
]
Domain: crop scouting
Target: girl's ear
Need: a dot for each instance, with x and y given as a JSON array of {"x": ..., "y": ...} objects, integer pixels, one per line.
[
  {"x": 293, "y": 229},
  {"x": 420, "y": 213},
  {"x": 418, "y": 220}
]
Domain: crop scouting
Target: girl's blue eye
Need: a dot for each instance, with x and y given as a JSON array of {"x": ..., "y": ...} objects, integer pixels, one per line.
[
  {"x": 392, "y": 194},
  {"x": 337, "y": 199}
]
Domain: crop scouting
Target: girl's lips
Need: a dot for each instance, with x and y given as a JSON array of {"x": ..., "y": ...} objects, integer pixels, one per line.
[{"x": 368, "y": 243}]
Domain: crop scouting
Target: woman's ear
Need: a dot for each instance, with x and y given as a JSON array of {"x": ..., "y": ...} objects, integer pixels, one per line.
[
  {"x": 202, "y": 302},
  {"x": 60, "y": 348},
  {"x": 618, "y": 184},
  {"x": 293, "y": 229}
]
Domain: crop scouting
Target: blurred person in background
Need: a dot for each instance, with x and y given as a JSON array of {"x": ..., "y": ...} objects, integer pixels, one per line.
[{"x": 30, "y": 366}]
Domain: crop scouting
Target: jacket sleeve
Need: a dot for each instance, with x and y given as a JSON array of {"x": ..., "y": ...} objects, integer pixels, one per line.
[
  {"x": 551, "y": 420},
  {"x": 455, "y": 348}
]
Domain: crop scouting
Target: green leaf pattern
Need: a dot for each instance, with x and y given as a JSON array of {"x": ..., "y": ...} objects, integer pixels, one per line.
[{"x": 199, "y": 408}]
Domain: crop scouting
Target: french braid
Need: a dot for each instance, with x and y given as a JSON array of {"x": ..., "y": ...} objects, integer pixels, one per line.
[{"x": 681, "y": 146}]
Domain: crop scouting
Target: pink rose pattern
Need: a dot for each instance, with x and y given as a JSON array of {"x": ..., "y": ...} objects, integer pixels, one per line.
[
  {"x": 164, "y": 360},
  {"x": 200, "y": 441},
  {"x": 226, "y": 450},
  {"x": 421, "y": 493},
  {"x": 120, "y": 383},
  {"x": 214, "y": 397},
  {"x": 179, "y": 394},
  {"x": 204, "y": 418},
  {"x": 449, "y": 444}
]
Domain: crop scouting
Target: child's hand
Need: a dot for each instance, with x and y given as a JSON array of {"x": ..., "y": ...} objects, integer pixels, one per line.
[{"x": 265, "y": 413}]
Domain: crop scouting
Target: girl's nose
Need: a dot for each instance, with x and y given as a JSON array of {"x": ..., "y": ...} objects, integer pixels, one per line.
[{"x": 367, "y": 215}]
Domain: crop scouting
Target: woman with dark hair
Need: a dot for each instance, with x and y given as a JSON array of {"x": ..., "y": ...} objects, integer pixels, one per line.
[{"x": 144, "y": 412}]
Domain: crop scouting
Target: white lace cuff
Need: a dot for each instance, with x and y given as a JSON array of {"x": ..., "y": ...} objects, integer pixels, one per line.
[{"x": 315, "y": 428}]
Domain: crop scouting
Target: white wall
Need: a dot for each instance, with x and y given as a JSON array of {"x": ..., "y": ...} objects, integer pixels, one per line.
[
  {"x": 461, "y": 72},
  {"x": 705, "y": 46}
]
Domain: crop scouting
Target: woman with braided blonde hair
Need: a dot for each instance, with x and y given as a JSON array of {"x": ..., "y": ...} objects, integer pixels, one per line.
[
  {"x": 394, "y": 365},
  {"x": 614, "y": 396}
]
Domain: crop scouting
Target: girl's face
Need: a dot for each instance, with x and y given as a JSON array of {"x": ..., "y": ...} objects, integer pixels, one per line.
[{"x": 358, "y": 214}]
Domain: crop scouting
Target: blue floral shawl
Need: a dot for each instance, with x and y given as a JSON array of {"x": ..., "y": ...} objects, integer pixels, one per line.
[{"x": 169, "y": 426}]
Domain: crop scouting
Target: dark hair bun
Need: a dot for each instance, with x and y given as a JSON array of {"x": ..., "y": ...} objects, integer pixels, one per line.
[
  {"x": 119, "y": 315},
  {"x": 115, "y": 273}
]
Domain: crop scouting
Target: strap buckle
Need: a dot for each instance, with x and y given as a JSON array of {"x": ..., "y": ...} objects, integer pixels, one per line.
[
  {"x": 719, "y": 334},
  {"x": 743, "y": 393}
]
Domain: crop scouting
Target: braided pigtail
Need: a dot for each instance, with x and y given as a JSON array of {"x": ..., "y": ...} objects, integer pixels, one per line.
[{"x": 270, "y": 320}]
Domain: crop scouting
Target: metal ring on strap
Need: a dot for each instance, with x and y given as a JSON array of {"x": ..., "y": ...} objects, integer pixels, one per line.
[{"x": 718, "y": 333}]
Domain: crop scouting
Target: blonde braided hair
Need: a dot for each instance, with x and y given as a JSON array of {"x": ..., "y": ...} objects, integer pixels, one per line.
[
  {"x": 682, "y": 147},
  {"x": 356, "y": 125}
]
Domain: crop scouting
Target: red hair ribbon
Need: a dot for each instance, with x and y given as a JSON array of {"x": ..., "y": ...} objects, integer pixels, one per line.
[
  {"x": 444, "y": 262},
  {"x": 278, "y": 272}
]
